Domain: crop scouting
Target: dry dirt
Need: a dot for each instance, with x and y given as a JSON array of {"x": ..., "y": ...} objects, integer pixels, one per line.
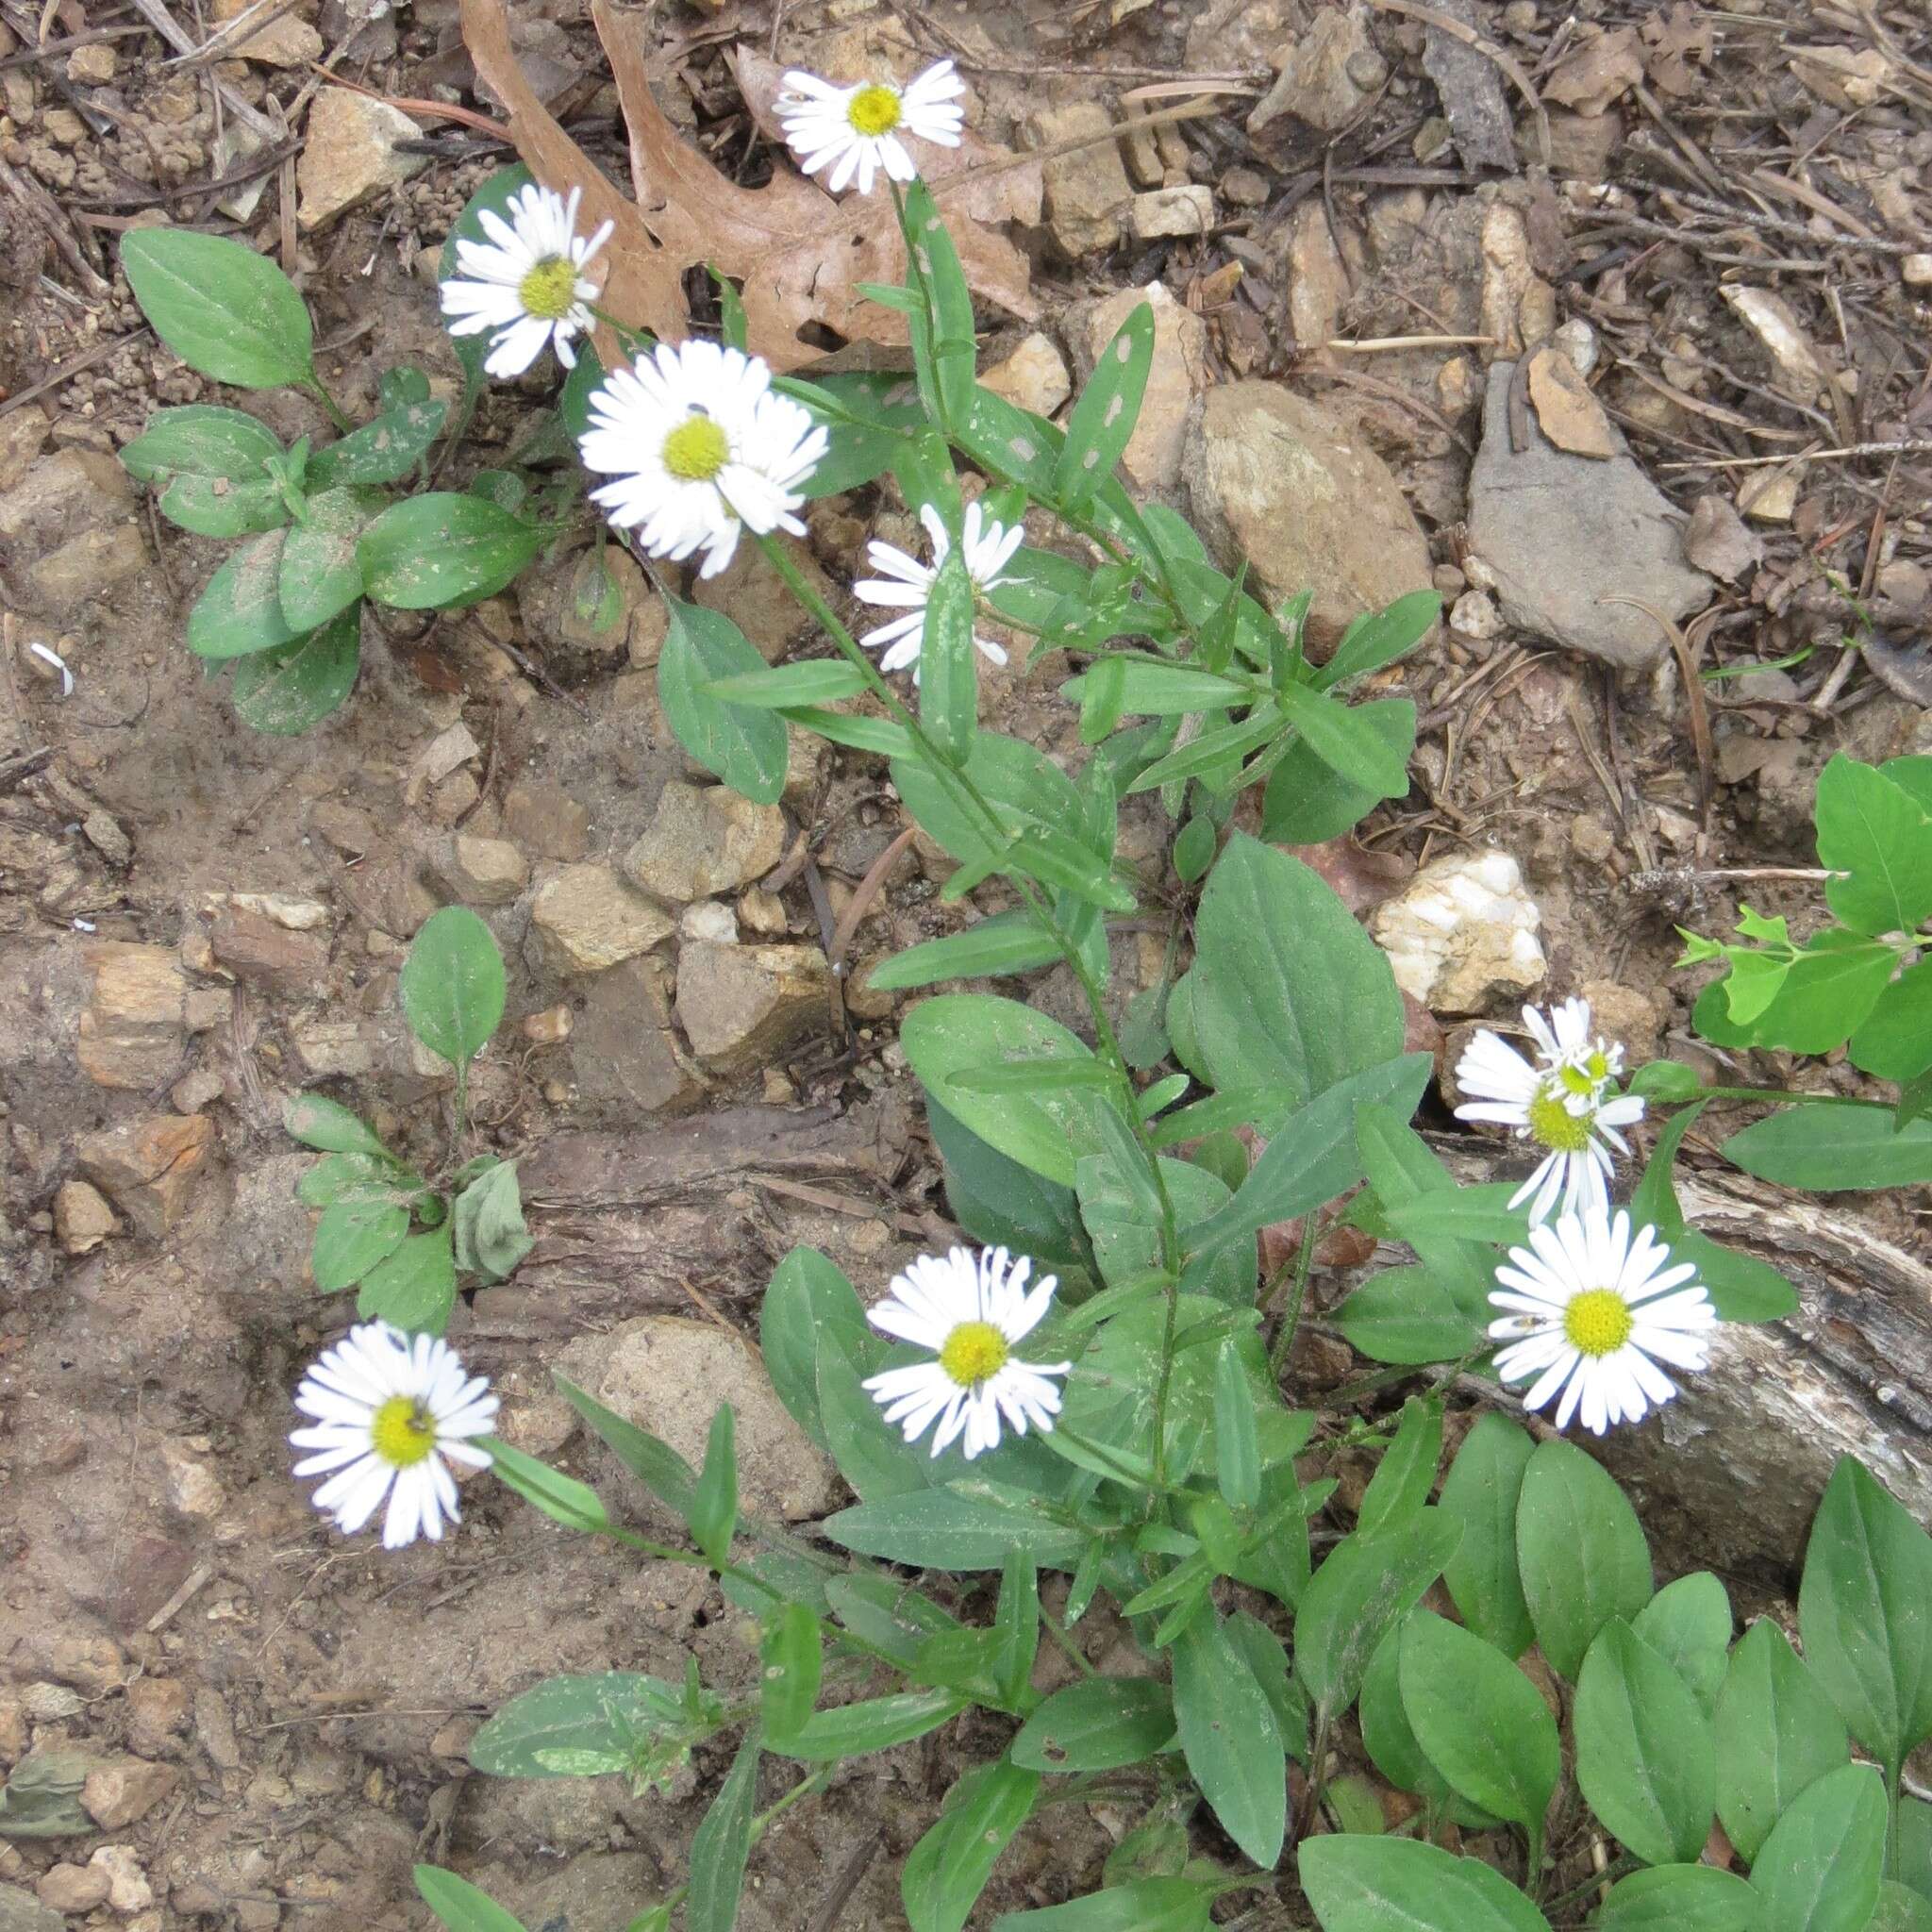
[{"x": 167, "y": 1594}]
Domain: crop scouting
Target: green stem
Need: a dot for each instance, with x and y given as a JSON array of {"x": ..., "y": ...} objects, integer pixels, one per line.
[
  {"x": 1783, "y": 1095},
  {"x": 760, "y": 1824},
  {"x": 1284, "y": 1336},
  {"x": 1072, "y": 1651},
  {"x": 1895, "y": 1802},
  {"x": 335, "y": 414},
  {"x": 1318, "y": 1778},
  {"x": 1622, "y": 1863}
]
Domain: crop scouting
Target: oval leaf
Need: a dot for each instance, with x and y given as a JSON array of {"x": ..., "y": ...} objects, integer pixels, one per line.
[
  {"x": 1821, "y": 1867},
  {"x": 221, "y": 308},
  {"x": 1581, "y": 1552},
  {"x": 443, "y": 549},
  {"x": 452, "y": 985},
  {"x": 1397, "y": 1885}
]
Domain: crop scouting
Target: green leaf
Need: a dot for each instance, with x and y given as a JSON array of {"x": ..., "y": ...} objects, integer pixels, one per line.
[
  {"x": 1163, "y": 687},
  {"x": 1688, "y": 1624},
  {"x": 1238, "y": 1453},
  {"x": 865, "y": 414},
  {"x": 1308, "y": 800},
  {"x": 888, "y": 1614},
  {"x": 212, "y": 467},
  {"x": 1147, "y": 1905},
  {"x": 878, "y": 1723},
  {"x": 287, "y": 691},
  {"x": 723, "y": 1843},
  {"x": 811, "y": 1309},
  {"x": 743, "y": 746},
  {"x": 459, "y": 1905},
  {"x": 1581, "y": 1552},
  {"x": 1002, "y": 1204},
  {"x": 1028, "y": 790},
  {"x": 933, "y": 269},
  {"x": 1288, "y": 991},
  {"x": 1901, "y": 1909},
  {"x": 223, "y": 309},
  {"x": 443, "y": 549},
  {"x": 1229, "y": 1734},
  {"x": 1480, "y": 1722},
  {"x": 1407, "y": 1315},
  {"x": 326, "y": 1125},
  {"x": 384, "y": 450},
  {"x": 1644, "y": 1756},
  {"x": 1821, "y": 1868},
  {"x": 814, "y": 681},
  {"x": 614, "y": 1714},
  {"x": 948, "y": 678},
  {"x": 958, "y": 1033},
  {"x": 1363, "y": 752},
  {"x": 415, "y": 1287},
  {"x": 947, "y": 1870},
  {"x": 350, "y": 1238},
  {"x": 359, "y": 1177},
  {"x": 1863, "y": 1609},
  {"x": 1835, "y": 1149},
  {"x": 1679, "y": 1898},
  {"x": 452, "y": 985},
  {"x": 561, "y": 1497},
  {"x": 793, "y": 1663},
  {"x": 1097, "y": 1725},
  {"x": 1365, "y": 1588},
  {"x": 1381, "y": 637},
  {"x": 241, "y": 610},
  {"x": 1407, "y": 1473},
  {"x": 1741, "y": 1286},
  {"x": 319, "y": 573},
  {"x": 1894, "y": 1040},
  {"x": 1360, "y": 1884},
  {"x": 1103, "y": 416},
  {"x": 1876, "y": 831},
  {"x": 971, "y": 1526},
  {"x": 1913, "y": 1856},
  {"x": 1481, "y": 1493},
  {"x": 1777, "y": 1734},
  {"x": 1393, "y": 1746},
  {"x": 1007, "y": 943},
  {"x": 488, "y": 1220},
  {"x": 714, "y": 1503}
]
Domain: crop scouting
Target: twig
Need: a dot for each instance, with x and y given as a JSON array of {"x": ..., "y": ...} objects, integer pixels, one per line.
[
  {"x": 48, "y": 50},
  {"x": 1918, "y": 448},
  {"x": 1455, "y": 28},
  {"x": 1807, "y": 196},
  {"x": 1693, "y": 698},
  {"x": 1776, "y": 224},
  {"x": 1374, "y": 345},
  {"x": 192, "y": 1582},
  {"x": 68, "y": 370},
  {"x": 49, "y": 214},
  {"x": 845, "y": 1882},
  {"x": 177, "y": 36},
  {"x": 861, "y": 903}
]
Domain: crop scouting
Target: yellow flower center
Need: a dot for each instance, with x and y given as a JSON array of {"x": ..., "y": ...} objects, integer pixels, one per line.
[
  {"x": 874, "y": 110},
  {"x": 550, "y": 288},
  {"x": 401, "y": 1434},
  {"x": 1553, "y": 1125},
  {"x": 974, "y": 1351},
  {"x": 1597, "y": 1322},
  {"x": 696, "y": 450}
]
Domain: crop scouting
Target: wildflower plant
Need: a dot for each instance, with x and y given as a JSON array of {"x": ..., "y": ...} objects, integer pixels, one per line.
[{"x": 1083, "y": 1411}]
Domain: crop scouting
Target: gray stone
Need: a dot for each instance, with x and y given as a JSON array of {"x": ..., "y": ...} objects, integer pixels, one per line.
[
  {"x": 742, "y": 1005},
  {"x": 133, "y": 1030},
  {"x": 546, "y": 819},
  {"x": 705, "y": 840},
  {"x": 1276, "y": 478},
  {"x": 1088, "y": 190},
  {"x": 587, "y": 919},
  {"x": 669, "y": 1374},
  {"x": 1563, "y": 533},
  {"x": 1033, "y": 377},
  {"x": 622, "y": 1051},
  {"x": 1185, "y": 212}
]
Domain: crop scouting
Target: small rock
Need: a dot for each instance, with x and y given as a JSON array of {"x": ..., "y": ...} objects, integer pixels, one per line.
[
  {"x": 288, "y": 41},
  {"x": 1621, "y": 1013},
  {"x": 1034, "y": 377},
  {"x": 1328, "y": 76},
  {"x": 195, "y": 1091},
  {"x": 21, "y": 1911},
  {"x": 92, "y": 66},
  {"x": 350, "y": 153},
  {"x": 623, "y": 1050},
  {"x": 149, "y": 1167},
  {"x": 102, "y": 830},
  {"x": 445, "y": 753},
  {"x": 709, "y": 919},
  {"x": 486, "y": 872},
  {"x": 1917, "y": 271},
  {"x": 348, "y": 828},
  {"x": 261, "y": 950},
  {"x": 546, "y": 819},
  {"x": 1598, "y": 67},
  {"x": 1718, "y": 540},
  {"x": 1578, "y": 341},
  {"x": 551, "y": 1027},
  {"x": 50, "y": 1704},
  {"x": 125, "y": 1789},
  {"x": 128, "y": 1888},
  {"x": 1245, "y": 187},
  {"x": 669, "y": 1374},
  {"x": 1581, "y": 146},
  {"x": 71, "y": 491},
  {"x": 192, "y": 1489},
  {"x": 1474, "y": 615},
  {"x": 82, "y": 1218},
  {"x": 1563, "y": 533},
  {"x": 1771, "y": 495},
  {"x": 1566, "y": 409},
  {"x": 1316, "y": 281},
  {"x": 74, "y": 1889},
  {"x": 1087, "y": 190},
  {"x": 1274, "y": 477},
  {"x": 1152, "y": 461},
  {"x": 588, "y": 920},
  {"x": 84, "y": 570},
  {"x": 22, "y": 433},
  {"x": 158, "y": 1711},
  {"x": 1187, "y": 210},
  {"x": 764, "y": 914},
  {"x": 1770, "y": 318},
  {"x": 133, "y": 1030},
  {"x": 592, "y": 612},
  {"x": 756, "y": 598},
  {"x": 1519, "y": 307},
  {"x": 284, "y": 908},
  {"x": 705, "y": 840},
  {"x": 1461, "y": 935},
  {"x": 741, "y": 1005},
  {"x": 329, "y": 1048}
]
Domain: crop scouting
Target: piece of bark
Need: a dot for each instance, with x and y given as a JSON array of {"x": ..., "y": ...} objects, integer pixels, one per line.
[{"x": 1471, "y": 88}]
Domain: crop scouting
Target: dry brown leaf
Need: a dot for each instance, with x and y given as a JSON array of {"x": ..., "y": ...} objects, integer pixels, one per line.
[
  {"x": 1717, "y": 539},
  {"x": 1599, "y": 69},
  {"x": 798, "y": 254},
  {"x": 1674, "y": 38},
  {"x": 1566, "y": 411}
]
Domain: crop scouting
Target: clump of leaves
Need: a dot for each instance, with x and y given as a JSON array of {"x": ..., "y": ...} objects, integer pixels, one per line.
[{"x": 398, "y": 1239}]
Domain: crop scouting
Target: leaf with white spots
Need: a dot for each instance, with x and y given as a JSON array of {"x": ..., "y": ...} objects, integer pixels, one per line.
[{"x": 1109, "y": 407}]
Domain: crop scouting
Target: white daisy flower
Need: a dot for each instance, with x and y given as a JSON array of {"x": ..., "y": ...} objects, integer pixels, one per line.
[
  {"x": 857, "y": 128},
  {"x": 1564, "y": 1104},
  {"x": 1588, "y": 1309},
  {"x": 700, "y": 444},
  {"x": 972, "y": 1314},
  {"x": 389, "y": 1408},
  {"x": 527, "y": 284},
  {"x": 988, "y": 548}
]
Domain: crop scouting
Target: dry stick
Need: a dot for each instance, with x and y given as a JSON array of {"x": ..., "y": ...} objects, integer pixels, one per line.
[
  {"x": 869, "y": 888},
  {"x": 1807, "y": 197},
  {"x": 71, "y": 367},
  {"x": 1777, "y": 225},
  {"x": 1808, "y": 455},
  {"x": 249, "y": 22},
  {"x": 1446, "y": 24},
  {"x": 177, "y": 36},
  {"x": 49, "y": 49},
  {"x": 1374, "y": 345}
]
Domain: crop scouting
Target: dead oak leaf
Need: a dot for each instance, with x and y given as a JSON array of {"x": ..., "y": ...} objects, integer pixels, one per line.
[
  {"x": 1600, "y": 67},
  {"x": 798, "y": 255}
]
